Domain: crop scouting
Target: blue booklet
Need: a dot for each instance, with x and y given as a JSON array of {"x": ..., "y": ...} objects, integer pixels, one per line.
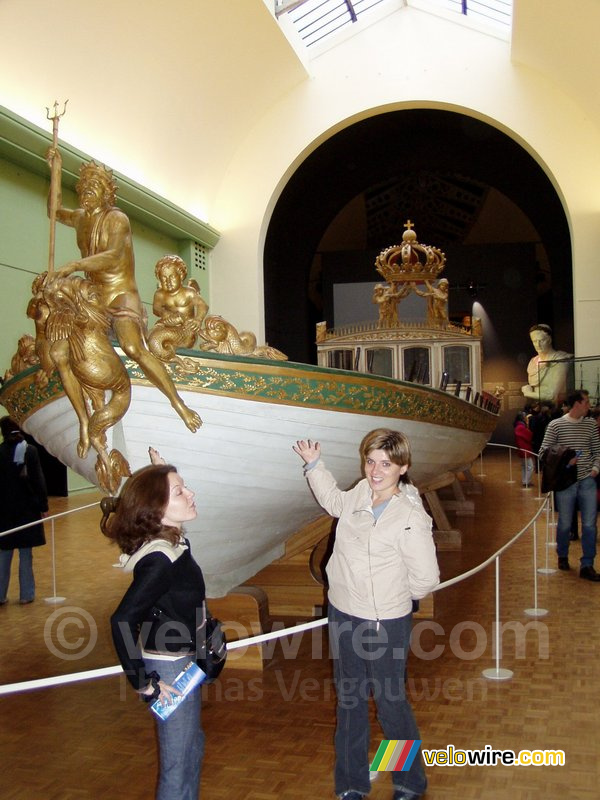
[{"x": 190, "y": 677}]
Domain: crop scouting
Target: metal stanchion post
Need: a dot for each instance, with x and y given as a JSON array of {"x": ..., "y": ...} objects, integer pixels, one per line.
[
  {"x": 54, "y": 598},
  {"x": 497, "y": 673},
  {"x": 535, "y": 611},
  {"x": 547, "y": 570},
  {"x": 510, "y": 477}
]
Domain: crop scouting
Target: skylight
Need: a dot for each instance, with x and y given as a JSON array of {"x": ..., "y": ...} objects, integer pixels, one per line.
[{"x": 315, "y": 20}]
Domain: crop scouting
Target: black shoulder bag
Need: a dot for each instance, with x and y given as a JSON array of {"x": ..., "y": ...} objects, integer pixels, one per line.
[
  {"x": 211, "y": 647},
  {"x": 210, "y": 643}
]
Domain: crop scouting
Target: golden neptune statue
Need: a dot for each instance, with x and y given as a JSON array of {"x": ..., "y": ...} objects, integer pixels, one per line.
[
  {"x": 105, "y": 242},
  {"x": 75, "y": 317}
]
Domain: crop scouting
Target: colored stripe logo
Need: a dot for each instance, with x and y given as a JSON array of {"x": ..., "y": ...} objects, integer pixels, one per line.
[{"x": 395, "y": 755}]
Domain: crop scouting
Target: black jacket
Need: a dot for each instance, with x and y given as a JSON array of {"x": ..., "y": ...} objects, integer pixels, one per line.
[
  {"x": 22, "y": 497},
  {"x": 556, "y": 474},
  {"x": 175, "y": 588}
]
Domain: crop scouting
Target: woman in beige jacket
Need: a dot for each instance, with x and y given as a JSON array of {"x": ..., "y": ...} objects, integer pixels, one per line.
[{"x": 383, "y": 559}]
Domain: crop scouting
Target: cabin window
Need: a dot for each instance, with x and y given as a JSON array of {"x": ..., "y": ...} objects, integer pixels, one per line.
[
  {"x": 340, "y": 359},
  {"x": 380, "y": 361},
  {"x": 457, "y": 363},
  {"x": 416, "y": 365}
]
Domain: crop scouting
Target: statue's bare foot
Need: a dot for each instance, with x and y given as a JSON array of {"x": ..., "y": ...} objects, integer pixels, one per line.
[
  {"x": 191, "y": 419},
  {"x": 83, "y": 445}
]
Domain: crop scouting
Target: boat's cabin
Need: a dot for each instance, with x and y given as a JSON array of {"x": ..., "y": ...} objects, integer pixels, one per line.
[{"x": 448, "y": 359}]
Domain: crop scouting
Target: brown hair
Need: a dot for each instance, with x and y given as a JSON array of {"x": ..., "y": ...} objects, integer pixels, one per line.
[
  {"x": 139, "y": 509},
  {"x": 543, "y": 328},
  {"x": 395, "y": 444},
  {"x": 8, "y": 426}
]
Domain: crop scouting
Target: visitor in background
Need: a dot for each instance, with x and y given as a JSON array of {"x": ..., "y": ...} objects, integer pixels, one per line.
[
  {"x": 524, "y": 443},
  {"x": 23, "y": 499}
]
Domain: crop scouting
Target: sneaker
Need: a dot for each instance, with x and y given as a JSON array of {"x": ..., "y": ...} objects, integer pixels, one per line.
[
  {"x": 405, "y": 794},
  {"x": 351, "y": 795},
  {"x": 563, "y": 563},
  {"x": 589, "y": 574}
]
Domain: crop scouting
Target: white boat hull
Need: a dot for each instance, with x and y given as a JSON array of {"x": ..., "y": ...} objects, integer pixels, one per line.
[{"x": 250, "y": 489}]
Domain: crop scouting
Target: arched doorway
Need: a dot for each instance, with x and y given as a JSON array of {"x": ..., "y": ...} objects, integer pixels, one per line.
[{"x": 470, "y": 190}]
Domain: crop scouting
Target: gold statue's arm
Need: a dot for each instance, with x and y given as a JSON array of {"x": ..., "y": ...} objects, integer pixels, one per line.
[
  {"x": 422, "y": 294},
  {"x": 119, "y": 232},
  {"x": 64, "y": 215}
]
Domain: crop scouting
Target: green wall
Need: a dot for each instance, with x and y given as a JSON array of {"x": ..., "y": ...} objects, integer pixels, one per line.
[{"x": 158, "y": 227}]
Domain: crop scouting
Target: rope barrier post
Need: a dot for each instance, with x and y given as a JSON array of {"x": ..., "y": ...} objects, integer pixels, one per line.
[
  {"x": 540, "y": 496},
  {"x": 510, "y": 477},
  {"x": 54, "y": 598},
  {"x": 553, "y": 510},
  {"x": 497, "y": 673},
  {"x": 535, "y": 611},
  {"x": 547, "y": 570}
]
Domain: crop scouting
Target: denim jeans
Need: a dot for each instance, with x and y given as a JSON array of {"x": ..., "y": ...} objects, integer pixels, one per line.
[
  {"x": 526, "y": 470},
  {"x": 180, "y": 739},
  {"x": 26, "y": 579},
  {"x": 368, "y": 660},
  {"x": 584, "y": 494}
]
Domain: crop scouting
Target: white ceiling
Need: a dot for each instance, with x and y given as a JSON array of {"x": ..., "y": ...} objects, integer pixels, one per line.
[{"x": 167, "y": 92}]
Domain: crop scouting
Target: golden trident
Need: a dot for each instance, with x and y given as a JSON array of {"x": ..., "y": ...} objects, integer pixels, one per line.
[{"x": 54, "y": 182}]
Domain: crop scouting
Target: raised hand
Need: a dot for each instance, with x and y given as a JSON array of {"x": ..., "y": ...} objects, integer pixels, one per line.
[
  {"x": 307, "y": 450},
  {"x": 155, "y": 456}
]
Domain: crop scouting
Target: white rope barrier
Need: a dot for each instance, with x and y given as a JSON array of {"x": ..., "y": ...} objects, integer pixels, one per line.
[
  {"x": 103, "y": 672},
  {"x": 47, "y": 519},
  {"x": 497, "y": 672}
]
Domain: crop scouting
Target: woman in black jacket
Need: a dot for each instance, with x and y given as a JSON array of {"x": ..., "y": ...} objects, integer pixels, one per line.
[
  {"x": 155, "y": 623},
  {"x": 23, "y": 499}
]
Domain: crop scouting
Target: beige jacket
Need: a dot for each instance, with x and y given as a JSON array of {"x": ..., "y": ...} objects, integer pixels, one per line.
[{"x": 377, "y": 567}]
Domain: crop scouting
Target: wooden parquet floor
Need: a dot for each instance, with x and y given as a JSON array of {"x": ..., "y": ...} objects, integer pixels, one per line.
[{"x": 269, "y": 735}]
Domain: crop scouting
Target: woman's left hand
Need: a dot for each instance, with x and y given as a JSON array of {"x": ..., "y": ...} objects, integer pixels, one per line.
[{"x": 166, "y": 692}]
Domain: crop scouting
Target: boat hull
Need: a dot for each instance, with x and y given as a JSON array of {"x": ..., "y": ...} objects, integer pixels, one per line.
[{"x": 251, "y": 493}]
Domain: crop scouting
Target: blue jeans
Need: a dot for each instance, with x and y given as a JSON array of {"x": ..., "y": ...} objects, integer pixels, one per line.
[
  {"x": 584, "y": 494},
  {"x": 180, "y": 739},
  {"x": 526, "y": 470},
  {"x": 26, "y": 579},
  {"x": 370, "y": 661}
]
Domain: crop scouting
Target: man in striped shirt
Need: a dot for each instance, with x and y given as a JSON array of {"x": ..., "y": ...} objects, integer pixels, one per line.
[{"x": 579, "y": 432}]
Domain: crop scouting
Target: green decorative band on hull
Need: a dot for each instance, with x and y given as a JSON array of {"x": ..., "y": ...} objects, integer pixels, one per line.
[{"x": 284, "y": 384}]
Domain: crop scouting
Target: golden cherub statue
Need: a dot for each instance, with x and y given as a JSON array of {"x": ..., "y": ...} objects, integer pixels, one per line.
[
  {"x": 437, "y": 301},
  {"x": 180, "y": 309},
  {"x": 24, "y": 357},
  {"x": 387, "y": 298}
]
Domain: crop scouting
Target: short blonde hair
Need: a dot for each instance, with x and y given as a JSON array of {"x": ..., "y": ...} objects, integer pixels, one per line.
[{"x": 394, "y": 443}]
